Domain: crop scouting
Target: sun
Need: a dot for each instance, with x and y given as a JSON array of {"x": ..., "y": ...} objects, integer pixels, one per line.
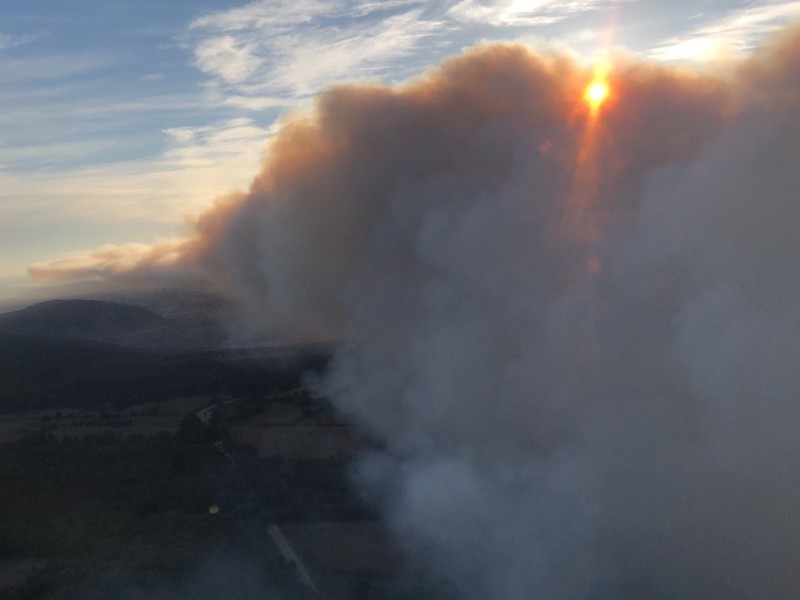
[
  {"x": 596, "y": 93},
  {"x": 598, "y": 89}
]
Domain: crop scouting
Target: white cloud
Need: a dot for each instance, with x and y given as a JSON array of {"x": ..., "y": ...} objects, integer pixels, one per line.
[
  {"x": 273, "y": 14},
  {"x": 227, "y": 58},
  {"x": 365, "y": 8},
  {"x": 199, "y": 165},
  {"x": 185, "y": 135},
  {"x": 520, "y": 13},
  {"x": 267, "y": 14},
  {"x": 735, "y": 33},
  {"x": 256, "y": 103},
  {"x": 356, "y": 53},
  {"x": 268, "y": 50},
  {"x": 11, "y": 41},
  {"x": 284, "y": 49}
]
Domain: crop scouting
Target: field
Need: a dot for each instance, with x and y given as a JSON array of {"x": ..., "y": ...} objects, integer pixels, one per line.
[{"x": 132, "y": 471}]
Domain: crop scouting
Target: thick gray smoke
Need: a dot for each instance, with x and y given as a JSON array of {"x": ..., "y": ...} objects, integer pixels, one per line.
[{"x": 578, "y": 336}]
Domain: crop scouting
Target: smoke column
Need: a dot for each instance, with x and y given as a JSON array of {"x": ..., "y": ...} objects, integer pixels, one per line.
[{"x": 583, "y": 363}]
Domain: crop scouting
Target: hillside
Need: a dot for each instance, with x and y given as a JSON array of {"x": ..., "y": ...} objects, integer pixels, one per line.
[
  {"x": 84, "y": 319},
  {"x": 161, "y": 320}
]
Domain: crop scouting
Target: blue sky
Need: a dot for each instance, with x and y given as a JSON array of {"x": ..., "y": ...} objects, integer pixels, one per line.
[{"x": 120, "y": 120}]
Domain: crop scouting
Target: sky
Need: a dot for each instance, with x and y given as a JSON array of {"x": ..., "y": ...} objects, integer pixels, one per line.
[{"x": 120, "y": 121}]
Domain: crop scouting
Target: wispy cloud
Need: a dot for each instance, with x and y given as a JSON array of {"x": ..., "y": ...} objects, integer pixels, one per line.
[
  {"x": 521, "y": 13},
  {"x": 365, "y": 51},
  {"x": 49, "y": 68},
  {"x": 227, "y": 58},
  {"x": 199, "y": 165},
  {"x": 253, "y": 103},
  {"x": 736, "y": 32},
  {"x": 62, "y": 128},
  {"x": 11, "y": 41},
  {"x": 270, "y": 14},
  {"x": 292, "y": 49},
  {"x": 266, "y": 14}
]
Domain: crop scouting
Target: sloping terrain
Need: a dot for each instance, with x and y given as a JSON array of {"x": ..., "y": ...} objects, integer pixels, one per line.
[
  {"x": 157, "y": 320},
  {"x": 84, "y": 319}
]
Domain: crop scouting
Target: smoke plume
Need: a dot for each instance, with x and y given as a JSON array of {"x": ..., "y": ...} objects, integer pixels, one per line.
[{"x": 576, "y": 335}]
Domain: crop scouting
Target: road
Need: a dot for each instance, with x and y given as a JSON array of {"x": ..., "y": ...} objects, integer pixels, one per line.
[{"x": 281, "y": 542}]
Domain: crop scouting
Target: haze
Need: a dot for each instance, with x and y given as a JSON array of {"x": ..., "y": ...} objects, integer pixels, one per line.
[{"x": 571, "y": 328}]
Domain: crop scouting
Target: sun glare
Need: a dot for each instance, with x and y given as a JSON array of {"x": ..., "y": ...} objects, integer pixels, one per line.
[{"x": 598, "y": 90}]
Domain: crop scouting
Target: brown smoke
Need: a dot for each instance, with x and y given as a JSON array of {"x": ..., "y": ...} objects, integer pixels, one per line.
[
  {"x": 295, "y": 238},
  {"x": 577, "y": 338}
]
